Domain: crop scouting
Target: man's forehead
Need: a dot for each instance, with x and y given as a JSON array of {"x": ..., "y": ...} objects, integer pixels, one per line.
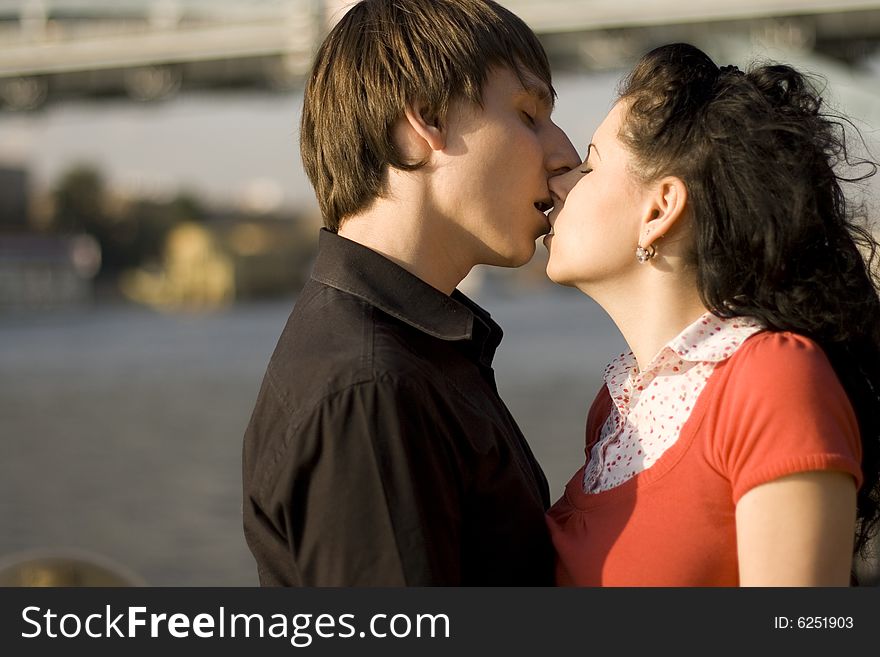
[{"x": 529, "y": 84}]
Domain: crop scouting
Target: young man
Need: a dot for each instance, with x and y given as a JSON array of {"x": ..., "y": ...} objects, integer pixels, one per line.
[{"x": 379, "y": 452}]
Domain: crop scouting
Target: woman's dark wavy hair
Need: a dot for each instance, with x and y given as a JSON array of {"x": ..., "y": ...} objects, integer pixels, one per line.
[{"x": 775, "y": 237}]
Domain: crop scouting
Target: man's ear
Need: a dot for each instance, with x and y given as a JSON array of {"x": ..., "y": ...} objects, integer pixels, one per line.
[
  {"x": 665, "y": 207},
  {"x": 428, "y": 130}
]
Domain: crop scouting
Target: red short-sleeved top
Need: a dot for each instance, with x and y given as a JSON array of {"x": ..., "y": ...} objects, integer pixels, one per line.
[{"x": 774, "y": 408}]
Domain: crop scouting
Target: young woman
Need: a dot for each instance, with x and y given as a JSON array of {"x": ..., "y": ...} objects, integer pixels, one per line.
[{"x": 738, "y": 443}]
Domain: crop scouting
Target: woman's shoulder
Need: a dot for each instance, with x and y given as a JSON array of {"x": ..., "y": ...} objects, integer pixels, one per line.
[
  {"x": 782, "y": 373},
  {"x": 779, "y": 408},
  {"x": 770, "y": 340},
  {"x": 779, "y": 353}
]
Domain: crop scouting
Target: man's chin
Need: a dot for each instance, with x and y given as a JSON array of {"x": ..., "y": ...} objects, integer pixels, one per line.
[
  {"x": 523, "y": 257},
  {"x": 515, "y": 256}
]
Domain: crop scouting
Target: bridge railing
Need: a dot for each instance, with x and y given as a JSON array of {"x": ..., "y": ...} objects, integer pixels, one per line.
[{"x": 148, "y": 49}]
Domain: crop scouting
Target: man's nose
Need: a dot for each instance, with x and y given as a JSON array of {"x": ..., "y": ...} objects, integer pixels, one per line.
[{"x": 562, "y": 155}]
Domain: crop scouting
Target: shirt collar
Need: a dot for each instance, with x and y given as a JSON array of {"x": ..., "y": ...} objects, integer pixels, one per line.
[
  {"x": 713, "y": 339},
  {"x": 351, "y": 267},
  {"x": 710, "y": 339}
]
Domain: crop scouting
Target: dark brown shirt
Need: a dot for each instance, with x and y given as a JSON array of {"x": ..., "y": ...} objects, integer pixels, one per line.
[{"x": 379, "y": 452}]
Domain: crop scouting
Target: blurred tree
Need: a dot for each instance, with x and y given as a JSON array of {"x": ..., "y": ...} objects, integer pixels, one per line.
[
  {"x": 132, "y": 235},
  {"x": 152, "y": 221},
  {"x": 80, "y": 207},
  {"x": 79, "y": 200},
  {"x": 187, "y": 206}
]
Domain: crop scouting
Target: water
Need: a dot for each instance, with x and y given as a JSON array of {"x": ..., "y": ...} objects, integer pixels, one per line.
[{"x": 121, "y": 428}]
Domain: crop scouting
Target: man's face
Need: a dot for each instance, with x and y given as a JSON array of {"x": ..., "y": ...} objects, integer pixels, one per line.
[{"x": 493, "y": 182}]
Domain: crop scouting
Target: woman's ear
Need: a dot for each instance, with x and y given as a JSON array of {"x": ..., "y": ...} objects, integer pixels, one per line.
[
  {"x": 667, "y": 203},
  {"x": 428, "y": 130}
]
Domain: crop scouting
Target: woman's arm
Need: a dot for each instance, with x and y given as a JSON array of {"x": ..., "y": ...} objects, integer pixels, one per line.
[{"x": 797, "y": 531}]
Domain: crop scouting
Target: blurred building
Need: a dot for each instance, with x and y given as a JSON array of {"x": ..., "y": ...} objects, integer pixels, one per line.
[
  {"x": 208, "y": 266},
  {"x": 38, "y": 271},
  {"x": 14, "y": 199},
  {"x": 46, "y": 271}
]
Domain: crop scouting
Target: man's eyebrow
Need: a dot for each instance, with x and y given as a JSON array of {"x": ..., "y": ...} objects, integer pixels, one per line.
[
  {"x": 593, "y": 146},
  {"x": 538, "y": 90}
]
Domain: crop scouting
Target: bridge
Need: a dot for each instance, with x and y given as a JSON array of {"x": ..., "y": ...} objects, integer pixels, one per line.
[{"x": 151, "y": 48}]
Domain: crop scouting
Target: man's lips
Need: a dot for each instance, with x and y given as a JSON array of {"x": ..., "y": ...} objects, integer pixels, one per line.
[{"x": 545, "y": 207}]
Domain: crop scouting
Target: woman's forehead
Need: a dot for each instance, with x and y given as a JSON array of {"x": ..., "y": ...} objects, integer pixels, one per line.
[{"x": 608, "y": 129}]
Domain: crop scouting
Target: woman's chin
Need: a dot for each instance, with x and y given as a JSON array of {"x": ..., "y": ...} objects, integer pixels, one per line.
[{"x": 557, "y": 276}]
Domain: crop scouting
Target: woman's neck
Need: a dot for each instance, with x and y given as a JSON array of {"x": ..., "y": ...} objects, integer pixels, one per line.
[{"x": 650, "y": 309}]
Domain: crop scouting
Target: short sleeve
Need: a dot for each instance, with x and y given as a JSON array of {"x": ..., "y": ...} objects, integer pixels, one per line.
[{"x": 783, "y": 411}]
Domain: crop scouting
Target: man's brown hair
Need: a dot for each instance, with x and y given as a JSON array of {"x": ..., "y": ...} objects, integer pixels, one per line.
[{"x": 383, "y": 55}]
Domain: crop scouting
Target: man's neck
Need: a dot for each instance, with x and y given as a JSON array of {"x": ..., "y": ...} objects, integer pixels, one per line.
[{"x": 406, "y": 235}]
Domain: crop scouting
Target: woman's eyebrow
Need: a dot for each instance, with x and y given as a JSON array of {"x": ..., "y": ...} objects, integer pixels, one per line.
[{"x": 593, "y": 146}]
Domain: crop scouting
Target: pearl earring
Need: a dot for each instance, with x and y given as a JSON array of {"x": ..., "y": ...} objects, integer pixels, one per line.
[{"x": 644, "y": 254}]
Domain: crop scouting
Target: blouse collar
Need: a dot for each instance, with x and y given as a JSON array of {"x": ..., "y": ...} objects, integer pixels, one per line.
[{"x": 709, "y": 339}]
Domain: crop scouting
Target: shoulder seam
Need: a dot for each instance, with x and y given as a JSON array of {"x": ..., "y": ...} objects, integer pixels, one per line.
[{"x": 296, "y": 417}]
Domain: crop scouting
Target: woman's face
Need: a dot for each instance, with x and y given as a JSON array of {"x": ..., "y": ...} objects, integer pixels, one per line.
[{"x": 598, "y": 212}]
